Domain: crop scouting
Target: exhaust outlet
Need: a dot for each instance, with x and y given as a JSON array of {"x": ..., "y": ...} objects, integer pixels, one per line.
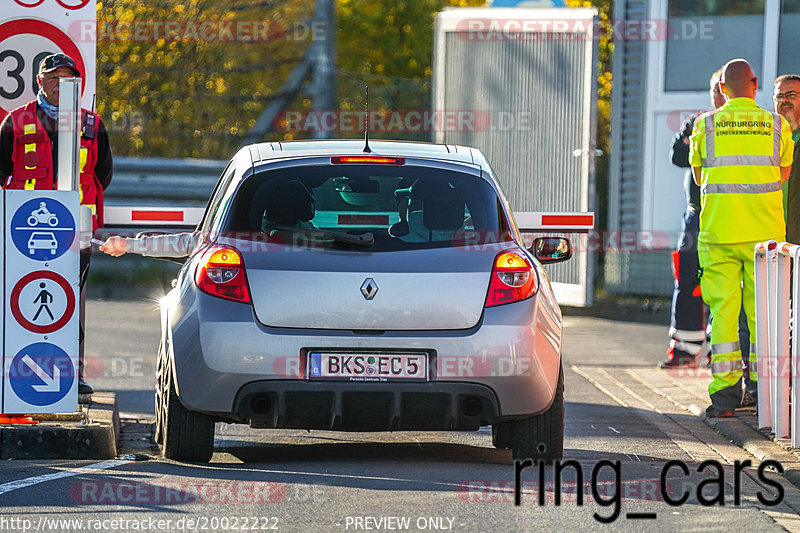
[
  {"x": 471, "y": 406},
  {"x": 260, "y": 404}
]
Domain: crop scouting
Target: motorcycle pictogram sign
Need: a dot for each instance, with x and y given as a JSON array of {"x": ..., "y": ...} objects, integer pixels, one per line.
[{"x": 43, "y": 229}]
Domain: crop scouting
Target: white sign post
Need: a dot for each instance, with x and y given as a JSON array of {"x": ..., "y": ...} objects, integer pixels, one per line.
[
  {"x": 33, "y": 29},
  {"x": 40, "y": 345},
  {"x": 69, "y": 124}
]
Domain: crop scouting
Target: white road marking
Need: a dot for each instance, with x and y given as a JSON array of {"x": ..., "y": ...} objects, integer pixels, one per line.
[{"x": 88, "y": 469}]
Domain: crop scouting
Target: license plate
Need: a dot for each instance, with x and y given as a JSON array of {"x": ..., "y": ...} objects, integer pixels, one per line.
[{"x": 368, "y": 367}]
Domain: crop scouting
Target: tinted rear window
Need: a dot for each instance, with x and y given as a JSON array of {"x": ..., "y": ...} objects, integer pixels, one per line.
[{"x": 404, "y": 207}]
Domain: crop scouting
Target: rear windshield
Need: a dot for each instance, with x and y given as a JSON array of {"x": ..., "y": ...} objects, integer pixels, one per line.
[{"x": 402, "y": 207}]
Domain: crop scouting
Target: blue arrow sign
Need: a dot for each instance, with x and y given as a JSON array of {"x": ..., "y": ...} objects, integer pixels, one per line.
[
  {"x": 41, "y": 374},
  {"x": 43, "y": 229}
]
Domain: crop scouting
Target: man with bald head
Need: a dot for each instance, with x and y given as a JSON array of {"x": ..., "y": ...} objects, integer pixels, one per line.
[{"x": 740, "y": 155}]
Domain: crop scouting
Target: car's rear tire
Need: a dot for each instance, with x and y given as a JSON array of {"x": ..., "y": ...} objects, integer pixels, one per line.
[
  {"x": 187, "y": 435},
  {"x": 541, "y": 437}
]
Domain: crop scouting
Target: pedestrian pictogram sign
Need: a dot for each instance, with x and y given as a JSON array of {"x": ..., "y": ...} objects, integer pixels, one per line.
[
  {"x": 40, "y": 340},
  {"x": 42, "y": 302}
]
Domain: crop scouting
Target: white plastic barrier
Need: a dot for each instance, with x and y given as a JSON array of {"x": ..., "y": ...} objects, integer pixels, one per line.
[{"x": 774, "y": 288}]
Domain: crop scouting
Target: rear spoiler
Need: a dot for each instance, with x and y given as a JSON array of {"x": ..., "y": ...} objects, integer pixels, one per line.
[{"x": 129, "y": 220}]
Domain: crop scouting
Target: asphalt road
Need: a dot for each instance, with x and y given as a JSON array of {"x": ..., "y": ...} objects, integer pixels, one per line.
[{"x": 325, "y": 481}]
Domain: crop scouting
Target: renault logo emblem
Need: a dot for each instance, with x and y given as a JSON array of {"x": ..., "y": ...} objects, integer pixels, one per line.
[{"x": 369, "y": 288}]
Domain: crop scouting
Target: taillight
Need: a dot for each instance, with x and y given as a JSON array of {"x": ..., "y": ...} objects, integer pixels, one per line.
[
  {"x": 220, "y": 272},
  {"x": 513, "y": 279}
]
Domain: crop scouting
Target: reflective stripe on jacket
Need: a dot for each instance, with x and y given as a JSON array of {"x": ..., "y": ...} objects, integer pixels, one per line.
[
  {"x": 33, "y": 159},
  {"x": 741, "y": 148}
]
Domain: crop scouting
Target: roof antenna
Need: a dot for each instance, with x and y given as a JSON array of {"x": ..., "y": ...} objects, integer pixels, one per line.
[{"x": 366, "y": 122}]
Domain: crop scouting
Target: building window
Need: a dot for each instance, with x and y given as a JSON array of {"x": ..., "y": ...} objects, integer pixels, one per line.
[
  {"x": 789, "y": 38},
  {"x": 706, "y": 34}
]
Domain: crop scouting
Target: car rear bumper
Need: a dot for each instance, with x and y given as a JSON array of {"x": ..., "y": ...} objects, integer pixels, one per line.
[{"x": 367, "y": 407}]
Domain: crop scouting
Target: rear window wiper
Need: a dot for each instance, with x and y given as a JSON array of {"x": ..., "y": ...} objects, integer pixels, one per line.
[{"x": 364, "y": 239}]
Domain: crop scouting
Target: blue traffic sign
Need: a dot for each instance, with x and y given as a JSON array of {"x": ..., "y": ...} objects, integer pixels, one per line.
[
  {"x": 41, "y": 374},
  {"x": 43, "y": 229}
]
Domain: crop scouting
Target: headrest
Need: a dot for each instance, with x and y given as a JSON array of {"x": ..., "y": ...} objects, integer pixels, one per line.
[
  {"x": 283, "y": 203},
  {"x": 442, "y": 205}
]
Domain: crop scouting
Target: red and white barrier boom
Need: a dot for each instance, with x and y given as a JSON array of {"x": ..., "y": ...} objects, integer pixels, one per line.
[
  {"x": 535, "y": 221},
  {"x": 137, "y": 216},
  {"x": 189, "y": 217}
]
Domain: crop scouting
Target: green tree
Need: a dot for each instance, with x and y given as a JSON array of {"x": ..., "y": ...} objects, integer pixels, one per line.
[
  {"x": 388, "y": 45},
  {"x": 195, "y": 91},
  {"x": 193, "y": 94},
  {"x": 182, "y": 95}
]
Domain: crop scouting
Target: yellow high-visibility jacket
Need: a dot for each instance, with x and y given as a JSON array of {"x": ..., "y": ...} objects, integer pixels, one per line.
[{"x": 741, "y": 147}]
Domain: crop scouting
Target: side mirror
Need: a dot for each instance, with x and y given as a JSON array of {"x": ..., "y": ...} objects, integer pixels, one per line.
[{"x": 551, "y": 249}]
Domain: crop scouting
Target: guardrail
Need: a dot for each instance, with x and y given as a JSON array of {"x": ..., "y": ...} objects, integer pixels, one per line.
[
  {"x": 165, "y": 181},
  {"x": 777, "y": 280}
]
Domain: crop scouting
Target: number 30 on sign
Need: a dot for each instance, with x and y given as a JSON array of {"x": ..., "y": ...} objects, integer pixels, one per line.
[{"x": 34, "y": 30}]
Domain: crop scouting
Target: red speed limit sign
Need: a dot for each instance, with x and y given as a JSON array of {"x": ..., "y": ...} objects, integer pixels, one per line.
[{"x": 33, "y": 29}]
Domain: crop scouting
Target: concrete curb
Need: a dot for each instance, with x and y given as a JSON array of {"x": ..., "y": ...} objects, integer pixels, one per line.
[
  {"x": 744, "y": 435},
  {"x": 61, "y": 436}
]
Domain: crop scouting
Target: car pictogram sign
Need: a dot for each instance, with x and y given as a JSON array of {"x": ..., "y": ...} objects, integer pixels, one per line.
[{"x": 43, "y": 229}]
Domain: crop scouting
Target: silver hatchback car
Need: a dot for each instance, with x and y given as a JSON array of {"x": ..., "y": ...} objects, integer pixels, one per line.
[{"x": 337, "y": 289}]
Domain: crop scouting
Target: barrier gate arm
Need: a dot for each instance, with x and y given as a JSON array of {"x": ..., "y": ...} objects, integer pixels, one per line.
[
  {"x": 127, "y": 219},
  {"x": 570, "y": 222}
]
